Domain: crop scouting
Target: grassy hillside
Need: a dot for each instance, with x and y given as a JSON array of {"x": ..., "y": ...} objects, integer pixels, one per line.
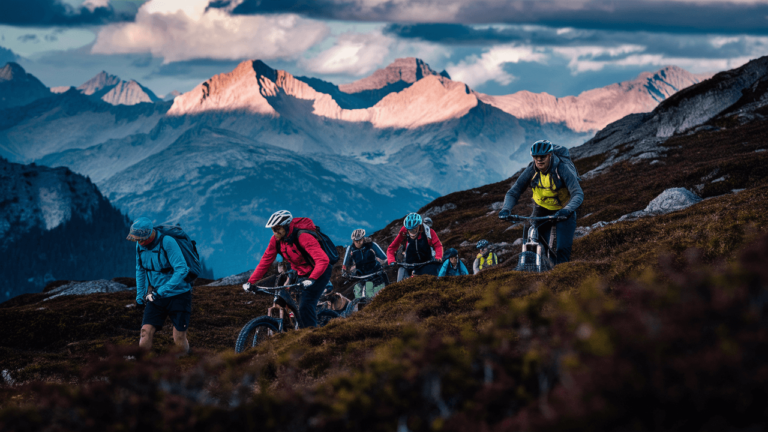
[{"x": 659, "y": 323}]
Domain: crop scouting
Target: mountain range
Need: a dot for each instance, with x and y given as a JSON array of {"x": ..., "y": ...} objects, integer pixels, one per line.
[{"x": 397, "y": 138}]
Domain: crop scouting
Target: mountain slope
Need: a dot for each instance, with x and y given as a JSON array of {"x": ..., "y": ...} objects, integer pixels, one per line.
[
  {"x": 70, "y": 120},
  {"x": 18, "y": 88},
  {"x": 55, "y": 224},
  {"x": 732, "y": 97},
  {"x": 221, "y": 187},
  {"x": 114, "y": 91},
  {"x": 593, "y": 344}
]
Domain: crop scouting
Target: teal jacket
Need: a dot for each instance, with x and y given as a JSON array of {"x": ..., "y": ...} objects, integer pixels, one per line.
[
  {"x": 149, "y": 263},
  {"x": 448, "y": 270}
]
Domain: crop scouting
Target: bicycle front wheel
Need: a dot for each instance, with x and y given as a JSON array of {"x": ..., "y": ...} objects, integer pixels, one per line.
[{"x": 255, "y": 332}]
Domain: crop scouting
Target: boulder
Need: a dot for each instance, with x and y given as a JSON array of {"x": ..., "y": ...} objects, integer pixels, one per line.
[
  {"x": 672, "y": 200},
  {"x": 90, "y": 287},
  {"x": 497, "y": 205},
  {"x": 438, "y": 209},
  {"x": 237, "y": 279}
]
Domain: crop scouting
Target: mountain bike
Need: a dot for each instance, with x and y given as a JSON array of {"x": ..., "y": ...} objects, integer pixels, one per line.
[
  {"x": 375, "y": 279},
  {"x": 536, "y": 256},
  {"x": 259, "y": 329},
  {"x": 411, "y": 268}
]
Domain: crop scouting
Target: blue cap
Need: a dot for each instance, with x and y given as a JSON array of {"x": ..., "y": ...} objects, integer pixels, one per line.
[{"x": 141, "y": 229}]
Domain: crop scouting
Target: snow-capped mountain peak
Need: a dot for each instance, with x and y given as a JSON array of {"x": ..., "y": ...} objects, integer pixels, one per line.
[{"x": 113, "y": 90}]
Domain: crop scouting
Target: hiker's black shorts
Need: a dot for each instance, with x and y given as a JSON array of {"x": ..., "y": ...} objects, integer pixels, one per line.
[{"x": 178, "y": 307}]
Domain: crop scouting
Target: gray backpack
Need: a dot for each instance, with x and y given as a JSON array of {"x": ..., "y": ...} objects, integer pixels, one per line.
[{"x": 565, "y": 160}]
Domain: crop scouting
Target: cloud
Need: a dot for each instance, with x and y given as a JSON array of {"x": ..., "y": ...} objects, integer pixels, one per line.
[
  {"x": 689, "y": 16},
  {"x": 28, "y": 38},
  {"x": 182, "y": 30},
  {"x": 475, "y": 71},
  {"x": 46, "y": 13},
  {"x": 353, "y": 54}
]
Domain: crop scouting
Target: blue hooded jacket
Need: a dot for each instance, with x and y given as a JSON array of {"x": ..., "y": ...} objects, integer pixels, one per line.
[
  {"x": 449, "y": 270},
  {"x": 151, "y": 260}
]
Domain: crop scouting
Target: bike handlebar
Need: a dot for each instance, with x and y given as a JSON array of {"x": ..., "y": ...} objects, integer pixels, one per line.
[
  {"x": 349, "y": 276},
  {"x": 277, "y": 288},
  {"x": 414, "y": 265},
  {"x": 539, "y": 218}
]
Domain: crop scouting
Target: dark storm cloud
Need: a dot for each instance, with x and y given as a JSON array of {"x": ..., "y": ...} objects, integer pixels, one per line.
[
  {"x": 639, "y": 15},
  {"x": 669, "y": 44},
  {"x": 47, "y": 13}
]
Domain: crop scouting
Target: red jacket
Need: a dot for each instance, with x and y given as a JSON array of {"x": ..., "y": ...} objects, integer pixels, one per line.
[
  {"x": 434, "y": 242},
  {"x": 292, "y": 253}
]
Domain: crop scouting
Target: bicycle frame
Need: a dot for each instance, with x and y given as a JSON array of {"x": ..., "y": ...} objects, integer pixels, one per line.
[
  {"x": 275, "y": 306},
  {"x": 537, "y": 256}
]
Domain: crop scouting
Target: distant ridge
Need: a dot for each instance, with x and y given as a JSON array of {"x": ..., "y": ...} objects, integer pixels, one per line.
[{"x": 18, "y": 88}]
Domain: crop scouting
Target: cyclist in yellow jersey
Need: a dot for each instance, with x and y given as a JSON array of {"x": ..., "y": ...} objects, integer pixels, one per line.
[
  {"x": 485, "y": 258},
  {"x": 556, "y": 191}
]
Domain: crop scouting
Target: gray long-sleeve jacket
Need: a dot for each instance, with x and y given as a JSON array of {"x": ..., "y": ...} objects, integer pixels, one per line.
[{"x": 566, "y": 175}]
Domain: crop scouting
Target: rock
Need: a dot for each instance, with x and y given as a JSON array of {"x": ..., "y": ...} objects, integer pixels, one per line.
[
  {"x": 497, "y": 205},
  {"x": 439, "y": 209},
  {"x": 465, "y": 244},
  {"x": 237, "y": 279},
  {"x": 85, "y": 288},
  {"x": 517, "y": 242},
  {"x": 759, "y": 150},
  {"x": 579, "y": 233},
  {"x": 672, "y": 200},
  {"x": 445, "y": 231},
  {"x": 723, "y": 178},
  {"x": 737, "y": 190}
]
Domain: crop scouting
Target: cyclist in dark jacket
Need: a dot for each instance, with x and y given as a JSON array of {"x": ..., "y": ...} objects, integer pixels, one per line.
[
  {"x": 556, "y": 191},
  {"x": 364, "y": 254},
  {"x": 419, "y": 241}
]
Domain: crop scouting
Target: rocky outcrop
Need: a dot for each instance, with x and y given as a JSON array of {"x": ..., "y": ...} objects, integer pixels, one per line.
[
  {"x": 669, "y": 201},
  {"x": 237, "y": 279},
  {"x": 85, "y": 288}
]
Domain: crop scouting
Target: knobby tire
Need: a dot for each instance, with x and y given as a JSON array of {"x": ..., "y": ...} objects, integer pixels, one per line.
[{"x": 256, "y": 331}]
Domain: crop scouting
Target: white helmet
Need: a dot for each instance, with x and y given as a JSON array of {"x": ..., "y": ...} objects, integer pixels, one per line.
[
  {"x": 280, "y": 218},
  {"x": 358, "y": 234}
]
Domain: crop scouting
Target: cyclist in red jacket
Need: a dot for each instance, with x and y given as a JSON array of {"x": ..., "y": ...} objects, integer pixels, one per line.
[
  {"x": 315, "y": 271},
  {"x": 419, "y": 240}
]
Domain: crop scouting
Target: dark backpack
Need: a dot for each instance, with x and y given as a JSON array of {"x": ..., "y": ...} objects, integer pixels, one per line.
[
  {"x": 565, "y": 159},
  {"x": 325, "y": 242},
  {"x": 188, "y": 249}
]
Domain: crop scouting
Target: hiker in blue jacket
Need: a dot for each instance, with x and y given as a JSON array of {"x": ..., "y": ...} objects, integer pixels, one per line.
[
  {"x": 556, "y": 192},
  {"x": 453, "y": 265},
  {"x": 160, "y": 285}
]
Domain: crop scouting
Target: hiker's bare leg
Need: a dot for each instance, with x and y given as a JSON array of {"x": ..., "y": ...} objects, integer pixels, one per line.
[
  {"x": 180, "y": 339},
  {"x": 147, "y": 334}
]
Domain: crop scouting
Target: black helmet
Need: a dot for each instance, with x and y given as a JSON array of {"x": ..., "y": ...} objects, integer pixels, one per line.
[
  {"x": 450, "y": 253},
  {"x": 542, "y": 148}
]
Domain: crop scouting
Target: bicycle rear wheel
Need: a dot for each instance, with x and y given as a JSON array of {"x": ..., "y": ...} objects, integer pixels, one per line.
[
  {"x": 355, "y": 305},
  {"x": 255, "y": 332},
  {"x": 326, "y": 315}
]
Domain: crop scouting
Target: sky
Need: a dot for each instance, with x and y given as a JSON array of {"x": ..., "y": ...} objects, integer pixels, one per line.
[{"x": 561, "y": 47}]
